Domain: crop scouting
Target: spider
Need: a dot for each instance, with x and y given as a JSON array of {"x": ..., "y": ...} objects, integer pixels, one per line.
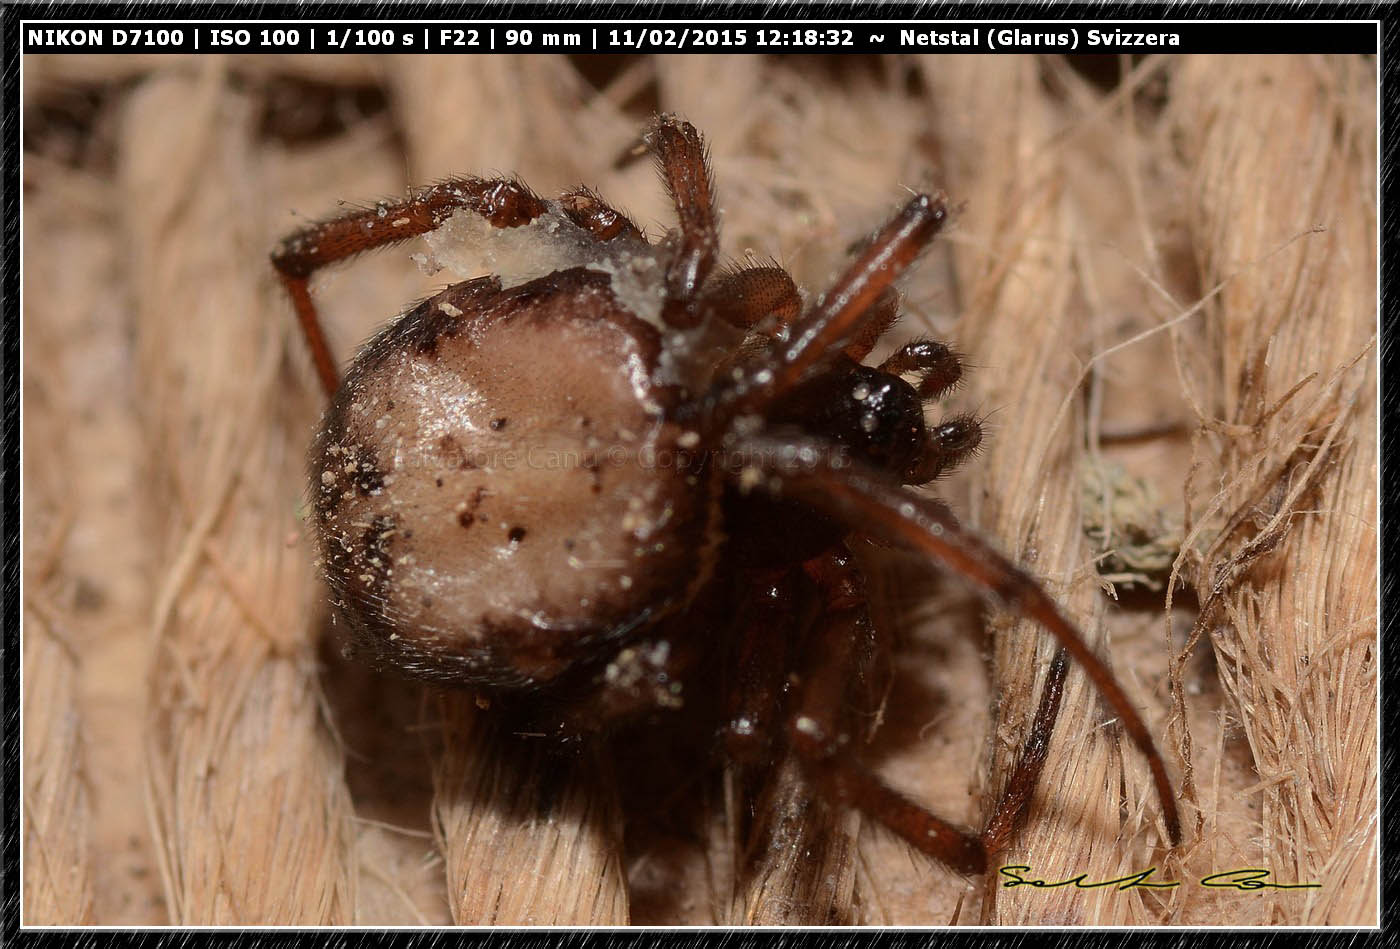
[{"x": 604, "y": 478}]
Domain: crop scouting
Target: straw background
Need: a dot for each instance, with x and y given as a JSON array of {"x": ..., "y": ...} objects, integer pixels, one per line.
[{"x": 1162, "y": 273}]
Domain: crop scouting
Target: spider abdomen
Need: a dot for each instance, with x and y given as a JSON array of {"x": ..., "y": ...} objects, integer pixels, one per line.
[{"x": 499, "y": 488}]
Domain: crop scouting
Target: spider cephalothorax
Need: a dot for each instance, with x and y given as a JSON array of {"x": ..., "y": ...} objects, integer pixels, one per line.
[{"x": 548, "y": 482}]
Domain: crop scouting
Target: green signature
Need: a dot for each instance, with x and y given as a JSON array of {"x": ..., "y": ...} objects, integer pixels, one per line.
[{"x": 1246, "y": 878}]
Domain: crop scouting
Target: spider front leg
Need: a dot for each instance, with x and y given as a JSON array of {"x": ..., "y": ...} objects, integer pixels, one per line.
[
  {"x": 685, "y": 168},
  {"x": 503, "y": 202}
]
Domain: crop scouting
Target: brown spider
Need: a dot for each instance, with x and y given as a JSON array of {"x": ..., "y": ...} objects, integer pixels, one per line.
[{"x": 548, "y": 483}]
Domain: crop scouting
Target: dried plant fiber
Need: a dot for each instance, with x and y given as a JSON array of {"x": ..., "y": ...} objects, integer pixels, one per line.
[{"x": 1164, "y": 283}]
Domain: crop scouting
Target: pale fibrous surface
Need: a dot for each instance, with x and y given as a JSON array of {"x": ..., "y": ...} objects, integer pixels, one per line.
[{"x": 1142, "y": 270}]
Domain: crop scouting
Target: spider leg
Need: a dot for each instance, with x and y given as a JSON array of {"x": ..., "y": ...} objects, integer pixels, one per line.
[
  {"x": 502, "y": 201},
  {"x": 946, "y": 445},
  {"x": 681, "y": 158},
  {"x": 821, "y": 742},
  {"x": 881, "y": 316},
  {"x": 1016, "y": 799},
  {"x": 839, "y": 316},
  {"x": 813, "y": 473},
  {"x": 939, "y": 367},
  {"x": 590, "y": 212},
  {"x": 745, "y": 297},
  {"x": 798, "y": 867},
  {"x": 768, "y": 816},
  {"x": 753, "y": 698},
  {"x": 794, "y": 864},
  {"x": 825, "y": 742}
]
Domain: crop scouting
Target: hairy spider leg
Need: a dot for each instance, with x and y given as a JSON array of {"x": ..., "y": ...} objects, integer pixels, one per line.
[
  {"x": 938, "y": 365},
  {"x": 744, "y": 298},
  {"x": 502, "y": 201},
  {"x": 946, "y": 445},
  {"x": 586, "y": 208},
  {"x": 684, "y": 166},
  {"x": 877, "y": 322},
  {"x": 808, "y": 471}
]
